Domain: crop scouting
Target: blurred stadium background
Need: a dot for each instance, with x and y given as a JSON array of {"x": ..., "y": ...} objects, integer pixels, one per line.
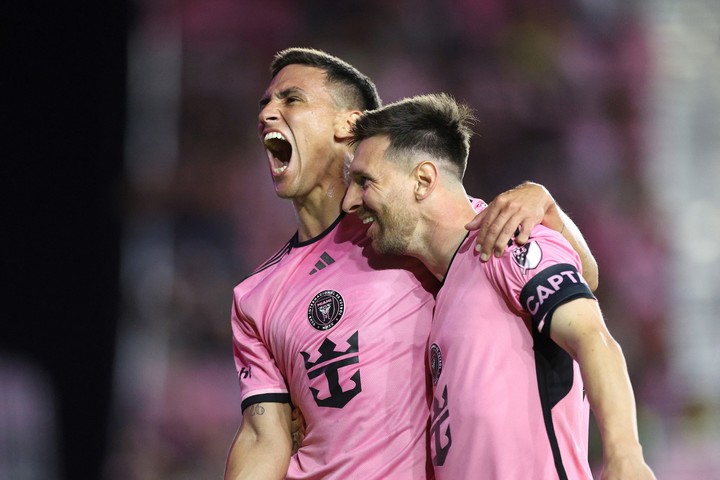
[{"x": 137, "y": 195}]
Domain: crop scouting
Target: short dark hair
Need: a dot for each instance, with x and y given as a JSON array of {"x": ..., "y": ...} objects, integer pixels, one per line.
[
  {"x": 357, "y": 90},
  {"x": 435, "y": 124}
]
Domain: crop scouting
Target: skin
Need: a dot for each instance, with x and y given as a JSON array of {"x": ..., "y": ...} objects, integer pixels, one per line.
[
  {"x": 298, "y": 104},
  {"x": 264, "y": 439},
  {"x": 435, "y": 203},
  {"x": 302, "y": 107}
]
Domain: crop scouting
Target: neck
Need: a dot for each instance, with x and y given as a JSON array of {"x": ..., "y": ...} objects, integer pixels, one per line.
[
  {"x": 318, "y": 210},
  {"x": 443, "y": 232}
]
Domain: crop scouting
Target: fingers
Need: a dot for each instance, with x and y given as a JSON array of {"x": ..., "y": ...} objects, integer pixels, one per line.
[
  {"x": 489, "y": 224},
  {"x": 479, "y": 222},
  {"x": 297, "y": 428},
  {"x": 523, "y": 207},
  {"x": 498, "y": 236},
  {"x": 522, "y": 235}
]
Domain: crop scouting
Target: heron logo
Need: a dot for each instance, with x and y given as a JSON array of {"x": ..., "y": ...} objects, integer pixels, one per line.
[
  {"x": 436, "y": 362},
  {"x": 326, "y": 309}
]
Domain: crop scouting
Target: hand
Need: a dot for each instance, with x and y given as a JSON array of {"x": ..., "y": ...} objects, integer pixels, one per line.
[
  {"x": 297, "y": 429},
  {"x": 512, "y": 214}
]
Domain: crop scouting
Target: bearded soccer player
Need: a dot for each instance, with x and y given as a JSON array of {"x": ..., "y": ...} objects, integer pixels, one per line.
[
  {"x": 326, "y": 324},
  {"x": 516, "y": 343}
]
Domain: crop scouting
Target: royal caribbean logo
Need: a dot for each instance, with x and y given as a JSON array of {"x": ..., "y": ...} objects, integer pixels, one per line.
[
  {"x": 326, "y": 309},
  {"x": 331, "y": 361},
  {"x": 435, "y": 362}
]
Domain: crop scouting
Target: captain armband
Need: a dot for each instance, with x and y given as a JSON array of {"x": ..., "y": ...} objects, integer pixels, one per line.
[{"x": 548, "y": 290}]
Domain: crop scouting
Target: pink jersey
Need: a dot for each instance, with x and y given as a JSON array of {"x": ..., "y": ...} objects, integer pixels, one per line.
[
  {"x": 342, "y": 333},
  {"x": 508, "y": 402}
]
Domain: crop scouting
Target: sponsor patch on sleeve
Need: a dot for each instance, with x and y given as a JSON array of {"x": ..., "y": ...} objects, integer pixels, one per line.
[
  {"x": 549, "y": 289},
  {"x": 527, "y": 256}
]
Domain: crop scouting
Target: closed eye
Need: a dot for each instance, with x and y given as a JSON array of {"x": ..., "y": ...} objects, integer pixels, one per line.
[{"x": 362, "y": 181}]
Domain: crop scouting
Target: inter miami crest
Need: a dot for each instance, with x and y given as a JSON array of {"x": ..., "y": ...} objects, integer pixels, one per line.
[
  {"x": 435, "y": 362},
  {"x": 326, "y": 309}
]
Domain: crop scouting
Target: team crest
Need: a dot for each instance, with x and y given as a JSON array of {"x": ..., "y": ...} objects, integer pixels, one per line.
[
  {"x": 326, "y": 309},
  {"x": 527, "y": 256},
  {"x": 435, "y": 362}
]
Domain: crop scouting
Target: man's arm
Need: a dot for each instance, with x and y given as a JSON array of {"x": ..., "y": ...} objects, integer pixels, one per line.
[
  {"x": 262, "y": 446},
  {"x": 525, "y": 206},
  {"x": 578, "y": 327}
]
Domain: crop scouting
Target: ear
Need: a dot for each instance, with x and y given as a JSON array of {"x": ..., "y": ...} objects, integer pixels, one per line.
[
  {"x": 426, "y": 176},
  {"x": 344, "y": 123}
]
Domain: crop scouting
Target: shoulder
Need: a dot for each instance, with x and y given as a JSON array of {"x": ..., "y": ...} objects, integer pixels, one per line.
[
  {"x": 519, "y": 264},
  {"x": 268, "y": 265},
  {"x": 545, "y": 248}
]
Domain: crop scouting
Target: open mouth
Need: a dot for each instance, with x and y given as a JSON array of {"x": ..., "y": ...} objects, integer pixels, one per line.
[{"x": 279, "y": 150}]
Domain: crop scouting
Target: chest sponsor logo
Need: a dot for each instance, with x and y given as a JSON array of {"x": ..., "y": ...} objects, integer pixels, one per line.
[
  {"x": 435, "y": 362},
  {"x": 326, "y": 309},
  {"x": 528, "y": 256},
  {"x": 329, "y": 364}
]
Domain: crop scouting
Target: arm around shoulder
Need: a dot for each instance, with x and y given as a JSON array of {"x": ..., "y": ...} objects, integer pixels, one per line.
[
  {"x": 262, "y": 447},
  {"x": 558, "y": 220},
  {"x": 513, "y": 214}
]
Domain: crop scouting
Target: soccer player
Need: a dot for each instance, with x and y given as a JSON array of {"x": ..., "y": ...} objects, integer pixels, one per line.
[
  {"x": 516, "y": 343},
  {"x": 326, "y": 324}
]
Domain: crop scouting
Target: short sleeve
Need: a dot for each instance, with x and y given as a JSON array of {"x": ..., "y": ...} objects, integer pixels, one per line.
[
  {"x": 259, "y": 377},
  {"x": 539, "y": 276}
]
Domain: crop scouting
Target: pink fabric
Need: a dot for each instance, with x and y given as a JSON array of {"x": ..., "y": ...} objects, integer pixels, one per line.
[
  {"x": 379, "y": 315},
  {"x": 488, "y": 420}
]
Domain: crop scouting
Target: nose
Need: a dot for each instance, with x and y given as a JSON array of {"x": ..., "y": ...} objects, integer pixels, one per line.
[
  {"x": 352, "y": 201},
  {"x": 268, "y": 113}
]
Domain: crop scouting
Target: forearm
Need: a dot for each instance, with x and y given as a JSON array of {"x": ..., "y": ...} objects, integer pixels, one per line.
[
  {"x": 559, "y": 221},
  {"x": 610, "y": 395},
  {"x": 253, "y": 459},
  {"x": 263, "y": 446},
  {"x": 578, "y": 327}
]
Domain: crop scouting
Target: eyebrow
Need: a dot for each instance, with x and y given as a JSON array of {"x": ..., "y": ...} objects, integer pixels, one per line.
[
  {"x": 357, "y": 175},
  {"x": 281, "y": 95}
]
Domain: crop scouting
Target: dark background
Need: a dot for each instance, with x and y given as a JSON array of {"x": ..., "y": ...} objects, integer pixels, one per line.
[{"x": 63, "y": 107}]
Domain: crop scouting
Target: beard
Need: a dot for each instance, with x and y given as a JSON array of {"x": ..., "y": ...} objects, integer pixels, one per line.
[{"x": 393, "y": 230}]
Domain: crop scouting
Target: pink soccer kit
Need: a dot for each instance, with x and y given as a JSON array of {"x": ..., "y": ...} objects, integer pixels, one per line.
[
  {"x": 342, "y": 333},
  {"x": 508, "y": 402}
]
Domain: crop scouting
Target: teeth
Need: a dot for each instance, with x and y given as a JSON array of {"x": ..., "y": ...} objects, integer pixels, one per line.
[
  {"x": 367, "y": 220},
  {"x": 274, "y": 135},
  {"x": 279, "y": 170}
]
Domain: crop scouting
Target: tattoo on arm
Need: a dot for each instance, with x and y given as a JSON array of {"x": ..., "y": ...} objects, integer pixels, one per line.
[{"x": 256, "y": 409}]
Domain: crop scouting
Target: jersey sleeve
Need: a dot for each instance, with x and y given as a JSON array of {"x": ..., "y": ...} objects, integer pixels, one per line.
[
  {"x": 259, "y": 377},
  {"x": 539, "y": 276}
]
